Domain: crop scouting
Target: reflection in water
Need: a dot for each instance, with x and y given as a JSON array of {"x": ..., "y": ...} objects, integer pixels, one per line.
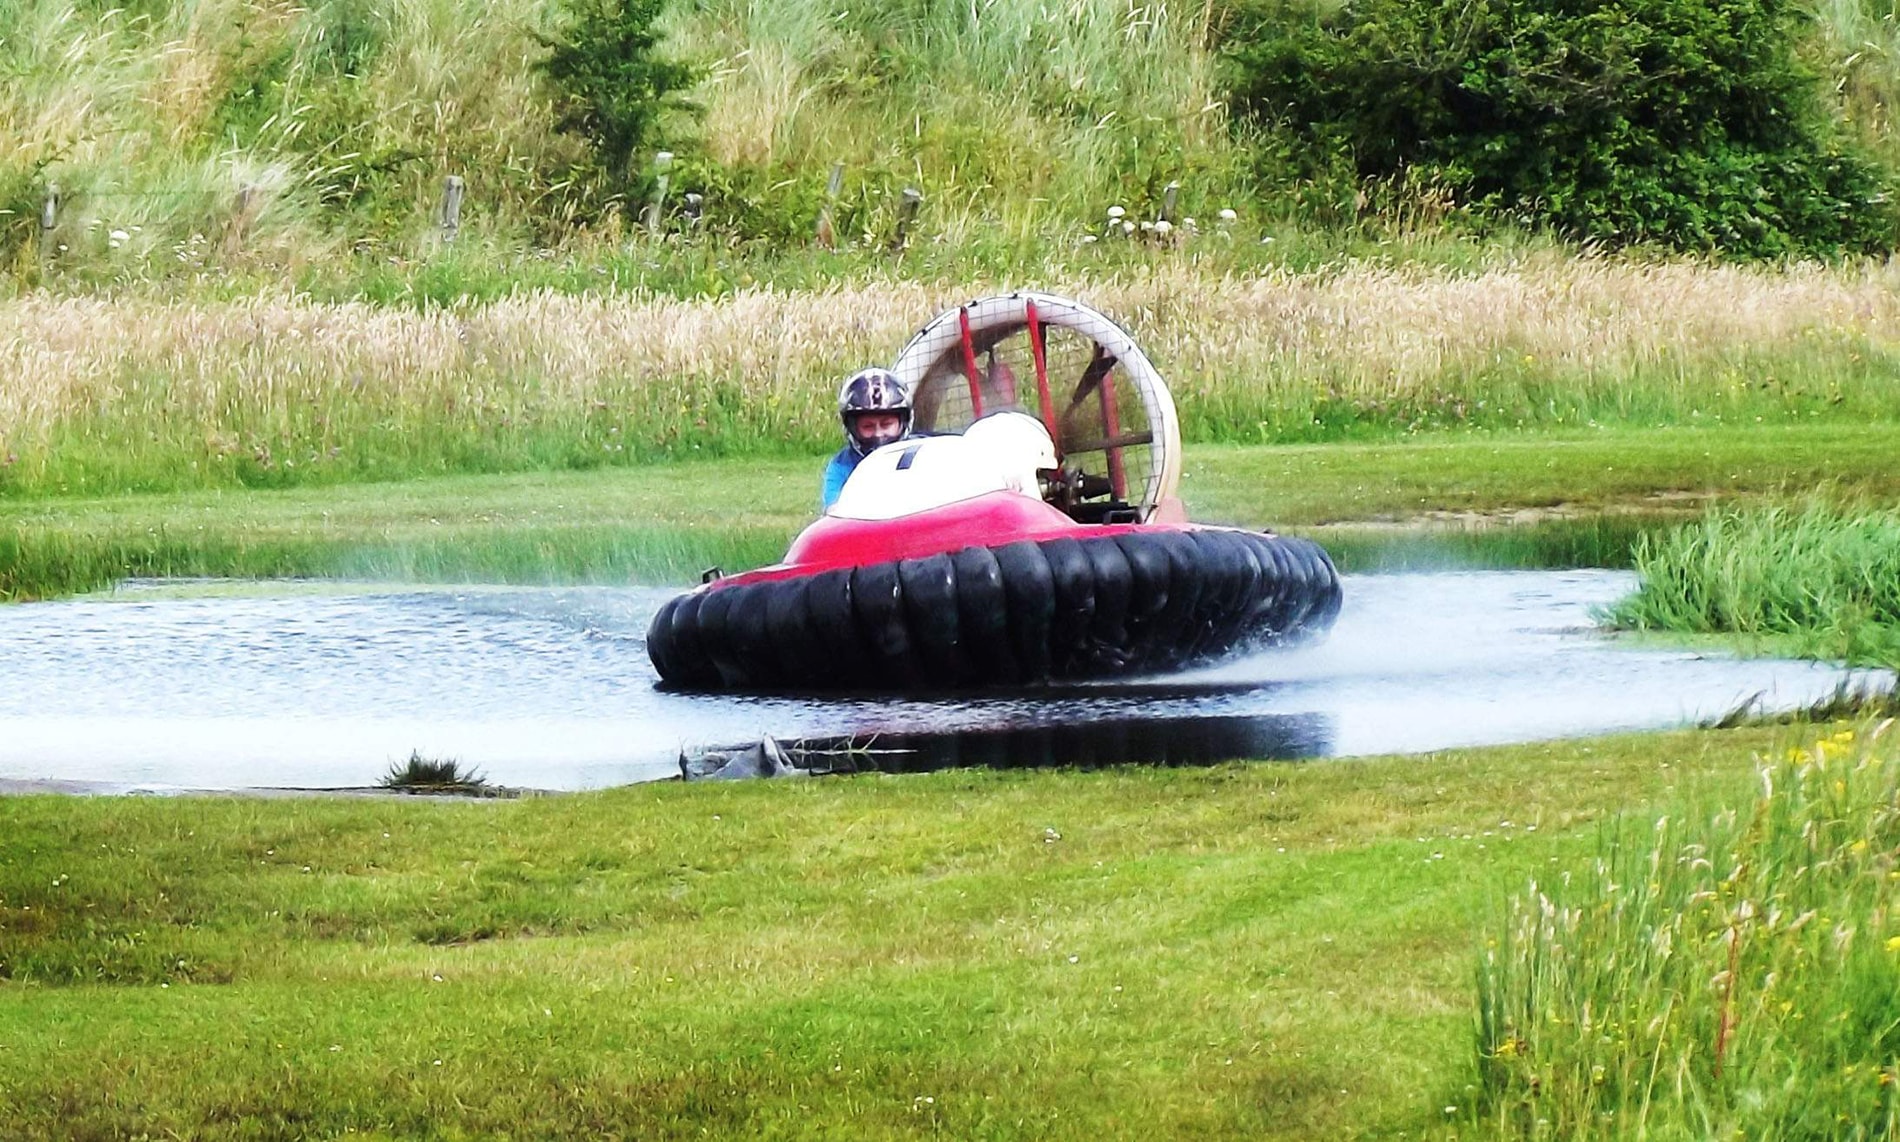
[
  {"x": 165, "y": 688},
  {"x": 1086, "y": 744}
]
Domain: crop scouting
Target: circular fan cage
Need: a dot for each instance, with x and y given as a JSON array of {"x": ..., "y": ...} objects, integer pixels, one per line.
[{"x": 1070, "y": 367}]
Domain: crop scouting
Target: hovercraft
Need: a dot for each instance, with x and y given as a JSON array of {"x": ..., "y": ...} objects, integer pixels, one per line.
[{"x": 1021, "y": 544}]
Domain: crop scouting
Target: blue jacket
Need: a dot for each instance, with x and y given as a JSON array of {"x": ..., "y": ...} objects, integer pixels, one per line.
[{"x": 836, "y": 473}]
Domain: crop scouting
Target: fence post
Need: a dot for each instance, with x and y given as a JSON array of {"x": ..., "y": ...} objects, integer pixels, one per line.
[
  {"x": 662, "y": 163},
  {"x": 240, "y": 224},
  {"x": 453, "y": 188},
  {"x": 826, "y": 236},
  {"x": 906, "y": 214},
  {"x": 1168, "y": 198},
  {"x": 49, "y": 220}
]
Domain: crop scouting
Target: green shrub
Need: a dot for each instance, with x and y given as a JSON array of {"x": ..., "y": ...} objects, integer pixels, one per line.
[
  {"x": 614, "y": 83},
  {"x": 1686, "y": 123}
]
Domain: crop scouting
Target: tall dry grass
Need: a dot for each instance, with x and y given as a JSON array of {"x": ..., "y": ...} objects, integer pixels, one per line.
[
  {"x": 338, "y": 119},
  {"x": 100, "y": 393},
  {"x": 174, "y": 124}
]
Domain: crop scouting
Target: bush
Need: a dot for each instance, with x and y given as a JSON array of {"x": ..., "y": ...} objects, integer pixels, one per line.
[
  {"x": 1686, "y": 123},
  {"x": 614, "y": 86}
]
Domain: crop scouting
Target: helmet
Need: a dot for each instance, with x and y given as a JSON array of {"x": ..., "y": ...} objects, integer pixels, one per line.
[{"x": 873, "y": 390}]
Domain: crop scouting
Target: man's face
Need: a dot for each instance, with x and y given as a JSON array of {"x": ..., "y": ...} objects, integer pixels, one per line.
[{"x": 875, "y": 429}]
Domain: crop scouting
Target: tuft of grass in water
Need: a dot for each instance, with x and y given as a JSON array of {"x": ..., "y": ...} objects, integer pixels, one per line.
[
  {"x": 1726, "y": 975},
  {"x": 1824, "y": 576},
  {"x": 421, "y": 774}
]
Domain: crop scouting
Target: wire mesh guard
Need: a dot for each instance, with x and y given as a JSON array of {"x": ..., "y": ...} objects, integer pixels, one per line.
[{"x": 1070, "y": 367}]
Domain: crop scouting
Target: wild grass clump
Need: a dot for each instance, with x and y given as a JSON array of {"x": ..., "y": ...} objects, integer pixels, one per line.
[
  {"x": 422, "y": 774},
  {"x": 1822, "y": 577},
  {"x": 1735, "y": 976}
]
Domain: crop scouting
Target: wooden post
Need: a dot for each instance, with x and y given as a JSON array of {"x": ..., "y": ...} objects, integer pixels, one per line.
[
  {"x": 453, "y": 188},
  {"x": 906, "y": 215},
  {"x": 826, "y": 236},
  {"x": 49, "y": 221},
  {"x": 239, "y": 226},
  {"x": 1168, "y": 199},
  {"x": 662, "y": 163}
]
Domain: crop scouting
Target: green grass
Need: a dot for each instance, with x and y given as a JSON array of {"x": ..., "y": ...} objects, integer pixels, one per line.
[
  {"x": 1463, "y": 499},
  {"x": 1730, "y": 972},
  {"x": 1579, "y": 473},
  {"x": 1268, "y": 951},
  {"x": 663, "y": 523},
  {"x": 1824, "y": 578}
]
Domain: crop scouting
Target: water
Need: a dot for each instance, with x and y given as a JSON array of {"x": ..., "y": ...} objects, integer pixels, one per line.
[{"x": 207, "y": 687}]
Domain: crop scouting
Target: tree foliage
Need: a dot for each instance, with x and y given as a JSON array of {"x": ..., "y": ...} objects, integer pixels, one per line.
[
  {"x": 1687, "y": 123},
  {"x": 614, "y": 83}
]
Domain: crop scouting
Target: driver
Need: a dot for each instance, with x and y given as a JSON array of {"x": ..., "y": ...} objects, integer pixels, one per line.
[{"x": 874, "y": 405}]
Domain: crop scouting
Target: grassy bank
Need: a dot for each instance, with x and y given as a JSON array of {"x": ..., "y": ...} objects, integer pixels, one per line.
[
  {"x": 1489, "y": 500},
  {"x": 337, "y": 122},
  {"x": 105, "y": 395},
  {"x": 220, "y": 138},
  {"x": 1823, "y": 580},
  {"x": 1265, "y": 950}
]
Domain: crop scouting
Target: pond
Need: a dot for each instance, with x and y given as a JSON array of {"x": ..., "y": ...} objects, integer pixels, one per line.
[{"x": 169, "y": 686}]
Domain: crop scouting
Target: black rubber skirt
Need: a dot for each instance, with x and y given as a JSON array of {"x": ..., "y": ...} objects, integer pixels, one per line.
[{"x": 1017, "y": 615}]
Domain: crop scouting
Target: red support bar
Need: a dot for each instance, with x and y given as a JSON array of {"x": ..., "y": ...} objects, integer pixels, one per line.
[
  {"x": 969, "y": 363},
  {"x": 1112, "y": 427},
  {"x": 1042, "y": 378}
]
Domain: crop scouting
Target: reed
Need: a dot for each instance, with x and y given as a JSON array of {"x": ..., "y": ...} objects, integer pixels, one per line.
[
  {"x": 1826, "y": 577},
  {"x": 1734, "y": 974},
  {"x": 101, "y": 394}
]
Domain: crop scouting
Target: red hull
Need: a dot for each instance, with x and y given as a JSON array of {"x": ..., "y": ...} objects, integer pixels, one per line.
[{"x": 990, "y": 520}]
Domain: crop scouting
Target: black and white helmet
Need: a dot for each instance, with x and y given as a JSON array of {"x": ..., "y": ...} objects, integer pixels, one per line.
[{"x": 873, "y": 390}]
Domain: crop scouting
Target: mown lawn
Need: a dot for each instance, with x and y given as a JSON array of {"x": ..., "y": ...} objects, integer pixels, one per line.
[
  {"x": 1264, "y": 950},
  {"x": 663, "y": 523}
]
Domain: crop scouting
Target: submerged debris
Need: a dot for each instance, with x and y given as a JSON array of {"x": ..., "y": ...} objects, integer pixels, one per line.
[{"x": 767, "y": 758}]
